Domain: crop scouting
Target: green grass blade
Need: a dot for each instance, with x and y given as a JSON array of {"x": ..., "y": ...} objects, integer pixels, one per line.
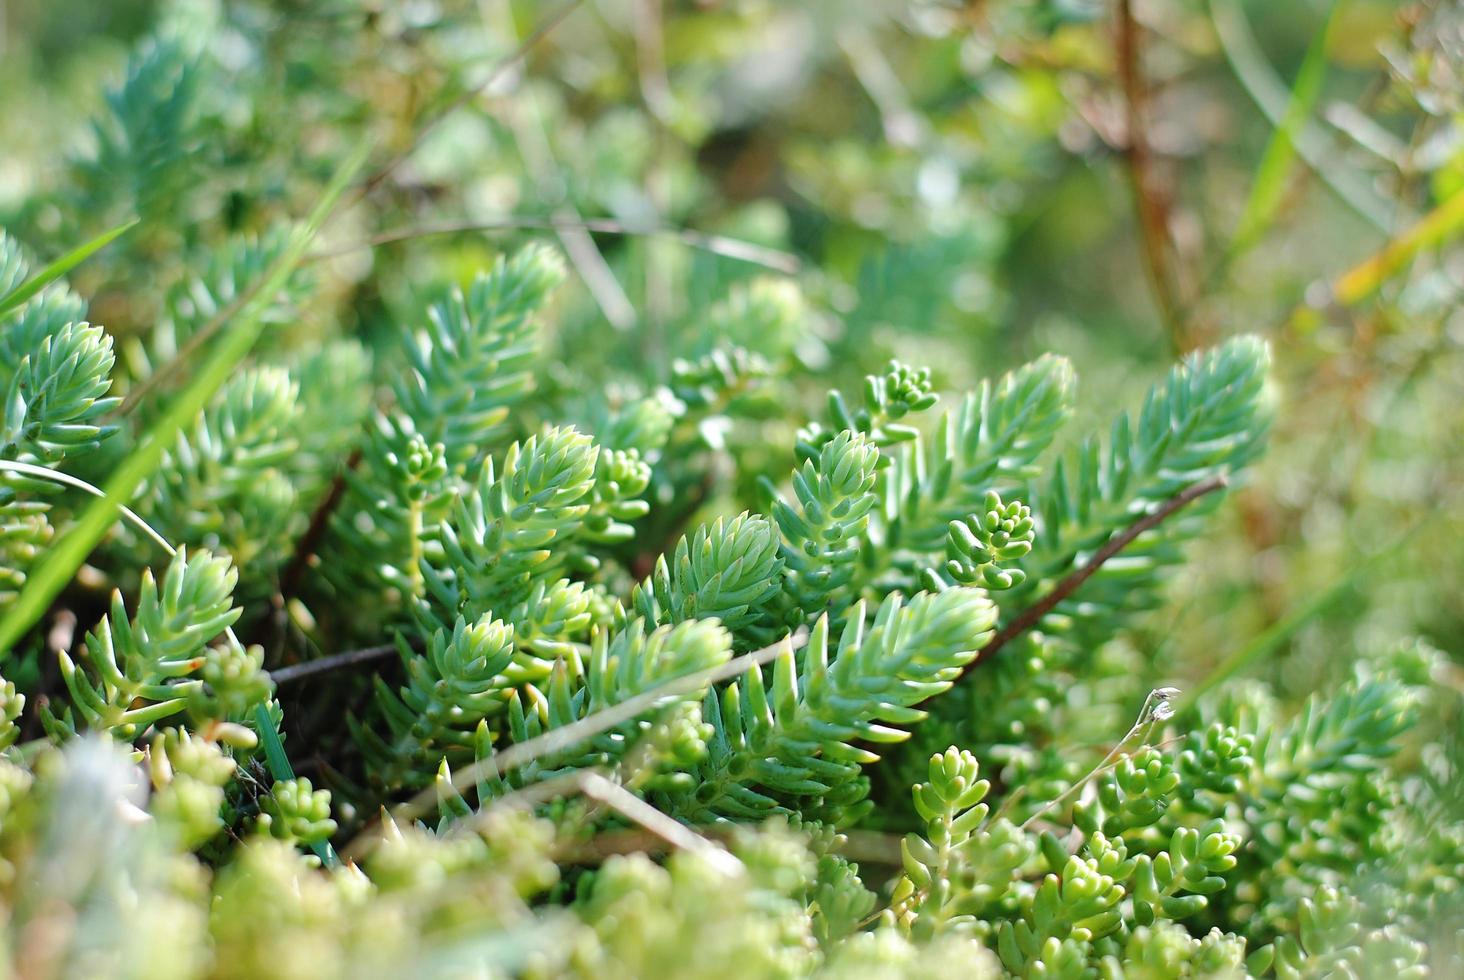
[
  {"x": 1439, "y": 226},
  {"x": 280, "y": 769},
  {"x": 71, "y": 548},
  {"x": 1270, "y": 182},
  {"x": 1270, "y": 640},
  {"x": 17, "y": 296}
]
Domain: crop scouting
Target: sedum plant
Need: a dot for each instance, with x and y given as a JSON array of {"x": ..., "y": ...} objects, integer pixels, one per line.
[
  {"x": 454, "y": 637},
  {"x": 826, "y": 736}
]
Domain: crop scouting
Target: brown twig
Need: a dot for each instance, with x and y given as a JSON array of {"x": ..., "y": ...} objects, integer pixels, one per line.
[
  {"x": 666, "y": 832},
  {"x": 1034, "y": 613},
  {"x": 1152, "y": 213},
  {"x": 294, "y": 672},
  {"x": 319, "y": 521}
]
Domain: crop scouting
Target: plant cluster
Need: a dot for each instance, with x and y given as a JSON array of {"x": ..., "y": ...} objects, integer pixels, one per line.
[
  {"x": 728, "y": 705},
  {"x": 422, "y": 649}
]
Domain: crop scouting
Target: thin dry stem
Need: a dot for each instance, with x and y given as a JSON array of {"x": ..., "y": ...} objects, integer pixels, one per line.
[
  {"x": 560, "y": 739},
  {"x": 1152, "y": 211},
  {"x": 732, "y": 248}
]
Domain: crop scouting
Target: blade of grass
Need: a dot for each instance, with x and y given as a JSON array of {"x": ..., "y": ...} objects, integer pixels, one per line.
[
  {"x": 18, "y": 296},
  {"x": 1435, "y": 228},
  {"x": 1259, "y": 81},
  {"x": 67, "y": 480},
  {"x": 280, "y": 769},
  {"x": 1270, "y": 640},
  {"x": 72, "y": 547},
  {"x": 274, "y": 749},
  {"x": 1276, "y": 162}
]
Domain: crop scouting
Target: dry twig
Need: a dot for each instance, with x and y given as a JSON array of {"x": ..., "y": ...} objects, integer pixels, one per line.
[
  {"x": 1034, "y": 613},
  {"x": 1153, "y": 214},
  {"x": 572, "y": 734}
]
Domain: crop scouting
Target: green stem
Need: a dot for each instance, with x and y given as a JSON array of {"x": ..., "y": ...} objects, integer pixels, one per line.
[{"x": 414, "y": 532}]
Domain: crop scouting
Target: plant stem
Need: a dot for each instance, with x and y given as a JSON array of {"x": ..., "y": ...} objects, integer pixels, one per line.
[
  {"x": 731, "y": 248},
  {"x": 319, "y": 521},
  {"x": 1034, "y": 613},
  {"x": 559, "y": 739},
  {"x": 294, "y": 672},
  {"x": 279, "y": 768},
  {"x": 1152, "y": 214}
]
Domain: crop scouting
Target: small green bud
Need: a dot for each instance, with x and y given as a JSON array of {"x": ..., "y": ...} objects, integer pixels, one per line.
[{"x": 296, "y": 811}]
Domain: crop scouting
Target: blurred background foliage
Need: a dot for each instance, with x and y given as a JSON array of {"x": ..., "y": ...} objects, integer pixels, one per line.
[{"x": 963, "y": 185}]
